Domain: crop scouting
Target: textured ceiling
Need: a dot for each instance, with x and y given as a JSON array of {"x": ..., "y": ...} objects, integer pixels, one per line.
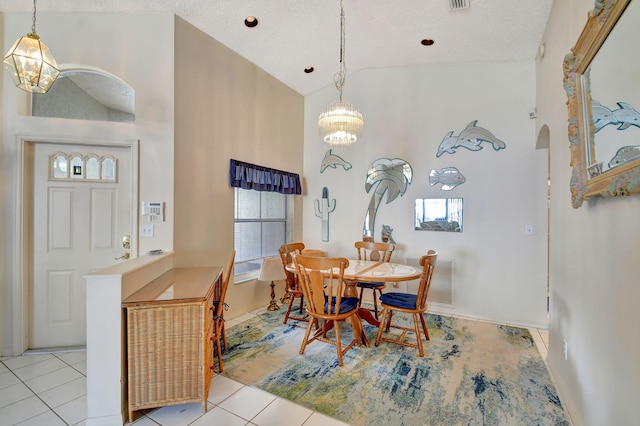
[{"x": 294, "y": 34}]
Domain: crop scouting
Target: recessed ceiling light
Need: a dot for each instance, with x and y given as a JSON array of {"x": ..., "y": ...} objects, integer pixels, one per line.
[
  {"x": 309, "y": 70},
  {"x": 427, "y": 42},
  {"x": 251, "y": 21}
]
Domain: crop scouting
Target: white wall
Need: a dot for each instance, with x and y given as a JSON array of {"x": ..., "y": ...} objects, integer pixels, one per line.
[
  {"x": 500, "y": 273},
  {"x": 123, "y": 45},
  {"x": 594, "y": 262}
]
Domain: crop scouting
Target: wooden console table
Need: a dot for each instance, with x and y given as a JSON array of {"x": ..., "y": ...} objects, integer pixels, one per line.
[{"x": 169, "y": 331}]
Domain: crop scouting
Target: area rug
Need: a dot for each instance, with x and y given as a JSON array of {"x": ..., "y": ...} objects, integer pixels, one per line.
[{"x": 473, "y": 373}]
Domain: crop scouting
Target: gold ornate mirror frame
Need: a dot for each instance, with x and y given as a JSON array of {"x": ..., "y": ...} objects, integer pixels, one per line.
[{"x": 625, "y": 178}]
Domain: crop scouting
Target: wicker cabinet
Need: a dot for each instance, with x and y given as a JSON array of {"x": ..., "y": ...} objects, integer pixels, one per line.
[{"x": 169, "y": 331}]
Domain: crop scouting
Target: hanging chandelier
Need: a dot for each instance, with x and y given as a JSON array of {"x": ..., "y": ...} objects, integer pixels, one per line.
[
  {"x": 340, "y": 123},
  {"x": 30, "y": 62}
]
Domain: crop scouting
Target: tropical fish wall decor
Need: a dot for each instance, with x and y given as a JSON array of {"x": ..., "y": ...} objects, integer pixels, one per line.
[
  {"x": 390, "y": 176},
  {"x": 625, "y": 154},
  {"x": 471, "y": 138},
  {"x": 450, "y": 177},
  {"x": 323, "y": 208},
  {"x": 333, "y": 161},
  {"x": 623, "y": 117}
]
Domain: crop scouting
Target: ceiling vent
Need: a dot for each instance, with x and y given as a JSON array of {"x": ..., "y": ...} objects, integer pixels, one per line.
[{"x": 455, "y": 5}]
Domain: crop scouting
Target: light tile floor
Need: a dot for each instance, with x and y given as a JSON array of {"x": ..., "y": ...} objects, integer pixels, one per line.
[{"x": 50, "y": 389}]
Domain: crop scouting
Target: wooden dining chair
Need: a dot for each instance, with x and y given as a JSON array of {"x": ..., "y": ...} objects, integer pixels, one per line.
[
  {"x": 293, "y": 291},
  {"x": 414, "y": 304},
  {"x": 322, "y": 282},
  {"x": 219, "y": 337},
  {"x": 369, "y": 250}
]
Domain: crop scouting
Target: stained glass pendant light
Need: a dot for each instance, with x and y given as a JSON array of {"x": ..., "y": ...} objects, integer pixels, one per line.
[
  {"x": 30, "y": 62},
  {"x": 340, "y": 123}
]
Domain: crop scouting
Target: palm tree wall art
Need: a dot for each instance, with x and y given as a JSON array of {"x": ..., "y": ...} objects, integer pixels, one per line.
[{"x": 392, "y": 176}]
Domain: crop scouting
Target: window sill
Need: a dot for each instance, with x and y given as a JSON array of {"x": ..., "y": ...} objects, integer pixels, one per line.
[{"x": 243, "y": 278}]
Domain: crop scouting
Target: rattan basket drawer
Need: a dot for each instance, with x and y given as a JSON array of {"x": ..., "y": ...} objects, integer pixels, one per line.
[
  {"x": 165, "y": 355},
  {"x": 169, "y": 351}
]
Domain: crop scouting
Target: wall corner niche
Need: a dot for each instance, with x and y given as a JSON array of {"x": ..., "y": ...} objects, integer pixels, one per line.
[{"x": 603, "y": 99}]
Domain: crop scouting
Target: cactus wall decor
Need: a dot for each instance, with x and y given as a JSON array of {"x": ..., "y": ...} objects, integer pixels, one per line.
[{"x": 323, "y": 208}]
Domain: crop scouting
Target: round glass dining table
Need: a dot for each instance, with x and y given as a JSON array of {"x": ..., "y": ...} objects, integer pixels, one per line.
[{"x": 372, "y": 271}]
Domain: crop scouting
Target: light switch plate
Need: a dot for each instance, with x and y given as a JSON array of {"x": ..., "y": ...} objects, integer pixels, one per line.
[{"x": 146, "y": 231}]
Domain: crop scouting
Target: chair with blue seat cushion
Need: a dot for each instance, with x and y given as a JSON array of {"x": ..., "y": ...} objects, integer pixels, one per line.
[
  {"x": 322, "y": 282},
  {"x": 368, "y": 250},
  {"x": 293, "y": 291},
  {"x": 414, "y": 304}
]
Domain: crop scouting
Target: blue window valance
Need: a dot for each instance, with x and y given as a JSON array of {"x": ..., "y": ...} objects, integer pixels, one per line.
[{"x": 249, "y": 176}]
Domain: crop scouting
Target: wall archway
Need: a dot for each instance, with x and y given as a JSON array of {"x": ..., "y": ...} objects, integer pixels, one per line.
[
  {"x": 542, "y": 142},
  {"x": 84, "y": 92}
]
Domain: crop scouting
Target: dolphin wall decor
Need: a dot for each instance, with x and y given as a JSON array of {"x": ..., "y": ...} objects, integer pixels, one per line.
[
  {"x": 471, "y": 138},
  {"x": 333, "y": 161},
  {"x": 623, "y": 117}
]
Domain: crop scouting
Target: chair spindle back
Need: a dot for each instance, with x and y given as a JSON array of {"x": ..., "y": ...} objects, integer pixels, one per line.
[
  {"x": 428, "y": 263},
  {"x": 287, "y": 253},
  {"x": 368, "y": 250},
  {"x": 315, "y": 286}
]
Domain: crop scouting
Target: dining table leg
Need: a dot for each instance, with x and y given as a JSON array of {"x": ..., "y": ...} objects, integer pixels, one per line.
[
  {"x": 350, "y": 289},
  {"x": 365, "y": 314},
  {"x": 358, "y": 330},
  {"x": 368, "y": 316}
]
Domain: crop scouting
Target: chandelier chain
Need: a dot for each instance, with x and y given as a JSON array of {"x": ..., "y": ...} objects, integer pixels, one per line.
[
  {"x": 33, "y": 19},
  {"x": 341, "y": 75},
  {"x": 340, "y": 123}
]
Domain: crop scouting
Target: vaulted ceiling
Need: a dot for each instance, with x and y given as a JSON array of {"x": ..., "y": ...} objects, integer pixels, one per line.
[{"x": 292, "y": 35}]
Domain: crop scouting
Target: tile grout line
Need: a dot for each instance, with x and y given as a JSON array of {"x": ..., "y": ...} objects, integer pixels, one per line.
[
  {"x": 85, "y": 378},
  {"x": 73, "y": 367},
  {"x": 34, "y": 394}
]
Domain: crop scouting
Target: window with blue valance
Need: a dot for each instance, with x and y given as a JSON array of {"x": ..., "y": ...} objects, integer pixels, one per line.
[{"x": 250, "y": 176}]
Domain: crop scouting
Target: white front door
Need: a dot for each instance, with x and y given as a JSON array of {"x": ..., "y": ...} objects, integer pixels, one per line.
[{"x": 78, "y": 226}]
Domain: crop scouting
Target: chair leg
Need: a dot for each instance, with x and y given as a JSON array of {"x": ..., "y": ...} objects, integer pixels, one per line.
[
  {"x": 218, "y": 346},
  {"x": 375, "y": 301},
  {"x": 289, "y": 305},
  {"x": 224, "y": 336},
  {"x": 302, "y": 315},
  {"x": 220, "y": 366},
  {"x": 416, "y": 327},
  {"x": 424, "y": 326},
  {"x": 326, "y": 326},
  {"x": 338, "y": 344},
  {"x": 306, "y": 335},
  {"x": 385, "y": 315}
]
